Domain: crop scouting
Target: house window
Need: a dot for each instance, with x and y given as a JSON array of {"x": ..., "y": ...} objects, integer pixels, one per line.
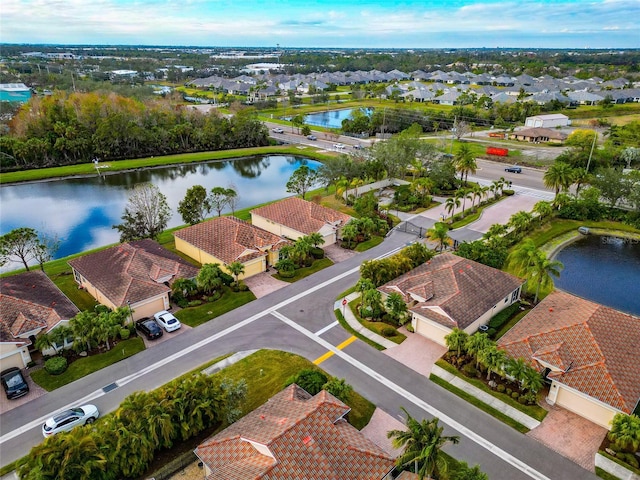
[
  {"x": 77, "y": 276},
  {"x": 506, "y": 300},
  {"x": 514, "y": 295}
]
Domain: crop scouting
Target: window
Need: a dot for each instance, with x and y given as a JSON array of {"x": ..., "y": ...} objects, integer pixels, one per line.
[{"x": 515, "y": 294}]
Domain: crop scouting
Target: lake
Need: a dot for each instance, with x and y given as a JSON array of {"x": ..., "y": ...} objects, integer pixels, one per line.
[
  {"x": 330, "y": 118},
  {"x": 603, "y": 269},
  {"x": 81, "y": 211}
]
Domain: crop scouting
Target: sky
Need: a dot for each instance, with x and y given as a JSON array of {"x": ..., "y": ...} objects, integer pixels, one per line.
[{"x": 325, "y": 23}]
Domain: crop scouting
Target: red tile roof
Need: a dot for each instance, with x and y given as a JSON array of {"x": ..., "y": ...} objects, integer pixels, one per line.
[
  {"x": 297, "y": 436},
  {"x": 230, "y": 239},
  {"x": 31, "y": 301},
  {"x": 461, "y": 290},
  {"x": 133, "y": 271},
  {"x": 593, "y": 348},
  {"x": 300, "y": 215}
]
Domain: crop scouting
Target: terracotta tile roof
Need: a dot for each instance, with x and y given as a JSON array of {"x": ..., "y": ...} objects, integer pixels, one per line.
[
  {"x": 457, "y": 290},
  {"x": 593, "y": 348},
  {"x": 231, "y": 239},
  {"x": 300, "y": 215},
  {"x": 133, "y": 271},
  {"x": 296, "y": 436},
  {"x": 31, "y": 301}
]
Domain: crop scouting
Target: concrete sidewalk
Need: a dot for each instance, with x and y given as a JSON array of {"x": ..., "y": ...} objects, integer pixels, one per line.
[{"x": 357, "y": 326}]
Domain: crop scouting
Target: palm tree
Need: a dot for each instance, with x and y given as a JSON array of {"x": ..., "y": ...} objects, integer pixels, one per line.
[
  {"x": 371, "y": 300},
  {"x": 349, "y": 233},
  {"x": 451, "y": 204},
  {"x": 476, "y": 343},
  {"x": 236, "y": 268},
  {"x": 209, "y": 277},
  {"x": 316, "y": 239},
  {"x": 440, "y": 233},
  {"x": 520, "y": 221},
  {"x": 558, "y": 176},
  {"x": 523, "y": 256},
  {"x": 457, "y": 340},
  {"x": 516, "y": 368},
  {"x": 495, "y": 230},
  {"x": 396, "y": 307},
  {"x": 625, "y": 432},
  {"x": 542, "y": 270},
  {"x": 465, "y": 162},
  {"x": 532, "y": 379},
  {"x": 465, "y": 472},
  {"x": 476, "y": 193},
  {"x": 464, "y": 194},
  {"x": 543, "y": 209},
  {"x": 493, "y": 359},
  {"x": 421, "y": 443}
]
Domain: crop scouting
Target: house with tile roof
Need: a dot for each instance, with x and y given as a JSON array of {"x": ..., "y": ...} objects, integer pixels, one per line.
[
  {"x": 587, "y": 351},
  {"x": 450, "y": 291},
  {"x": 294, "y": 217},
  {"x": 136, "y": 274},
  {"x": 225, "y": 240},
  {"x": 30, "y": 304},
  {"x": 294, "y": 436}
]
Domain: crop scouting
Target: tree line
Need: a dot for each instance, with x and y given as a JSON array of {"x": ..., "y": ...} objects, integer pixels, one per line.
[{"x": 64, "y": 129}]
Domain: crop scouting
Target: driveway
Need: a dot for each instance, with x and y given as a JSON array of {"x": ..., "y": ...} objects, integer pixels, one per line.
[
  {"x": 502, "y": 211},
  {"x": 263, "y": 284},
  {"x": 35, "y": 391},
  {"x": 337, "y": 254},
  {"x": 416, "y": 352},
  {"x": 165, "y": 336}
]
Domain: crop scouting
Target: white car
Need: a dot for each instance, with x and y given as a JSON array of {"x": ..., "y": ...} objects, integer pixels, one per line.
[
  {"x": 277, "y": 130},
  {"x": 68, "y": 419},
  {"x": 338, "y": 146},
  {"x": 167, "y": 321}
]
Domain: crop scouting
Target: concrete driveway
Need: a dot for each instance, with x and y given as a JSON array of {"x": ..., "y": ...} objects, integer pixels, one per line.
[
  {"x": 416, "y": 352},
  {"x": 35, "y": 391},
  {"x": 502, "y": 211},
  {"x": 263, "y": 284}
]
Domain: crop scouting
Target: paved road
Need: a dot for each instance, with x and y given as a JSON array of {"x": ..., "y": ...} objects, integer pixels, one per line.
[{"x": 287, "y": 320}]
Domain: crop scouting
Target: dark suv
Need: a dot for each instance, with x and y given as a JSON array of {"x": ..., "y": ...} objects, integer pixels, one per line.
[
  {"x": 14, "y": 384},
  {"x": 149, "y": 327}
]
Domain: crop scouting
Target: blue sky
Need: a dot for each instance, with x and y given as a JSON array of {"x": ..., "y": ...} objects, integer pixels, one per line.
[{"x": 326, "y": 23}]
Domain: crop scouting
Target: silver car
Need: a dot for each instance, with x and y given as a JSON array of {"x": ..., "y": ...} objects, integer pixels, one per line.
[{"x": 68, "y": 419}]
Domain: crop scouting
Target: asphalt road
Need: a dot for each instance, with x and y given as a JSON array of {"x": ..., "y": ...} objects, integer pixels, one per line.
[{"x": 287, "y": 320}]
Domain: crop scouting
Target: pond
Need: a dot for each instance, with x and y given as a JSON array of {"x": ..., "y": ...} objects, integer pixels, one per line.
[
  {"x": 81, "y": 211},
  {"x": 603, "y": 269},
  {"x": 330, "y": 118}
]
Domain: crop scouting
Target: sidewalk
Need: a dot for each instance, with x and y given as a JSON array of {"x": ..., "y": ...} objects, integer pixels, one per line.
[{"x": 357, "y": 326}]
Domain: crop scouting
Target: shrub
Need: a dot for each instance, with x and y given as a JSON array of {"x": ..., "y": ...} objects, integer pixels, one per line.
[
  {"x": 628, "y": 458},
  {"x": 125, "y": 333},
  {"x": 183, "y": 303},
  {"x": 469, "y": 370},
  {"x": 509, "y": 391},
  {"x": 515, "y": 395},
  {"x": 500, "y": 388},
  {"x": 287, "y": 273},
  {"x": 530, "y": 398},
  {"x": 309, "y": 379},
  {"x": 317, "y": 252},
  {"x": 491, "y": 332},
  {"x": 508, "y": 193},
  {"x": 55, "y": 365},
  {"x": 410, "y": 329},
  {"x": 522, "y": 400},
  {"x": 389, "y": 332},
  {"x": 243, "y": 287},
  {"x": 194, "y": 303}
]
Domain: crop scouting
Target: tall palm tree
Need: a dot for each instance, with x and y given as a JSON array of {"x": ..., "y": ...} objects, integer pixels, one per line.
[
  {"x": 476, "y": 343},
  {"x": 396, "y": 307},
  {"x": 440, "y": 233},
  {"x": 516, "y": 368},
  {"x": 544, "y": 210},
  {"x": 465, "y": 162},
  {"x": 493, "y": 359},
  {"x": 625, "y": 432},
  {"x": 316, "y": 239},
  {"x": 559, "y": 176},
  {"x": 532, "y": 379},
  {"x": 464, "y": 194},
  {"x": 236, "y": 268},
  {"x": 542, "y": 272},
  {"x": 520, "y": 221},
  {"x": 476, "y": 194},
  {"x": 451, "y": 204},
  {"x": 523, "y": 256},
  {"x": 421, "y": 443},
  {"x": 457, "y": 340}
]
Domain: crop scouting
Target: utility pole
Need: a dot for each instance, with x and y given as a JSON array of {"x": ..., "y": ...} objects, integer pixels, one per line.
[
  {"x": 453, "y": 132},
  {"x": 595, "y": 136}
]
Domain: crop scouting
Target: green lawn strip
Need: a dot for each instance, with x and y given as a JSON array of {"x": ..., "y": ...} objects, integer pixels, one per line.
[
  {"x": 619, "y": 462},
  {"x": 300, "y": 273},
  {"x": 194, "y": 316},
  {"x": 121, "y": 165},
  {"x": 85, "y": 366},
  {"x": 372, "y": 242},
  {"x": 604, "y": 474},
  {"x": 346, "y": 292},
  {"x": 478, "y": 403},
  {"x": 10, "y": 467},
  {"x": 507, "y": 326},
  {"x": 375, "y": 327},
  {"x": 344, "y": 324},
  {"x": 266, "y": 373},
  {"x": 533, "y": 411}
]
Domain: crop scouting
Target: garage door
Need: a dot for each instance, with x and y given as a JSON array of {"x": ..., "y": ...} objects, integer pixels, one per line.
[
  {"x": 431, "y": 331},
  {"x": 585, "y": 408}
]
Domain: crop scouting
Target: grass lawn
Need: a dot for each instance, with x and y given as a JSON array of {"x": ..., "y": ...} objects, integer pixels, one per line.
[
  {"x": 507, "y": 326},
  {"x": 300, "y": 273},
  {"x": 84, "y": 366},
  {"x": 477, "y": 403},
  {"x": 372, "y": 242},
  {"x": 375, "y": 327},
  {"x": 194, "y": 316},
  {"x": 266, "y": 373},
  {"x": 533, "y": 411},
  {"x": 344, "y": 324}
]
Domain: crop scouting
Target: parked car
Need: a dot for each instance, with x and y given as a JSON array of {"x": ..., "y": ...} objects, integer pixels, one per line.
[
  {"x": 357, "y": 146},
  {"x": 14, "y": 384},
  {"x": 167, "y": 321},
  {"x": 277, "y": 130},
  {"x": 65, "y": 421},
  {"x": 149, "y": 327},
  {"x": 338, "y": 146},
  {"x": 513, "y": 169},
  {"x": 312, "y": 137}
]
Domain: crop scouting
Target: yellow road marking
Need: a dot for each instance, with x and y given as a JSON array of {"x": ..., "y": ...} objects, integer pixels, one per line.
[{"x": 344, "y": 344}]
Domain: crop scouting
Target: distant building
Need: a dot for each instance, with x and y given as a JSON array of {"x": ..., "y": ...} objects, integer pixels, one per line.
[
  {"x": 547, "y": 121},
  {"x": 14, "y": 92}
]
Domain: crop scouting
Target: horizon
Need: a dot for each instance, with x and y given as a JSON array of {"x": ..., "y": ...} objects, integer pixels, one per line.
[{"x": 327, "y": 24}]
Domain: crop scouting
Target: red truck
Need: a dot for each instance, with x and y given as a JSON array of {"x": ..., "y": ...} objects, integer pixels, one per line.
[{"x": 501, "y": 152}]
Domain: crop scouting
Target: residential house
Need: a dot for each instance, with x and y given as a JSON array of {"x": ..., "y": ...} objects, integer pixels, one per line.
[
  {"x": 537, "y": 135},
  {"x": 450, "y": 291},
  {"x": 294, "y": 436},
  {"x": 589, "y": 353},
  {"x": 137, "y": 275},
  {"x": 225, "y": 240},
  {"x": 30, "y": 304},
  {"x": 294, "y": 217}
]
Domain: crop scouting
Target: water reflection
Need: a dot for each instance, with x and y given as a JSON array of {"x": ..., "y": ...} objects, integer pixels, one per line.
[
  {"x": 81, "y": 211},
  {"x": 603, "y": 269}
]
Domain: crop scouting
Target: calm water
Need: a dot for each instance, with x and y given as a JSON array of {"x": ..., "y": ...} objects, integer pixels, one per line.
[
  {"x": 605, "y": 270},
  {"x": 81, "y": 212},
  {"x": 331, "y": 118}
]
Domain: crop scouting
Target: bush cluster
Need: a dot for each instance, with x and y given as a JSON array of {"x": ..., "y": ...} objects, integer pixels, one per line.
[{"x": 56, "y": 365}]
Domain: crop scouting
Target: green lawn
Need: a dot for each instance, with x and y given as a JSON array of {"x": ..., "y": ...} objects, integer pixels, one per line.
[
  {"x": 84, "y": 366},
  {"x": 375, "y": 327},
  {"x": 194, "y": 316},
  {"x": 372, "y": 242},
  {"x": 344, "y": 324},
  {"x": 300, "y": 273}
]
